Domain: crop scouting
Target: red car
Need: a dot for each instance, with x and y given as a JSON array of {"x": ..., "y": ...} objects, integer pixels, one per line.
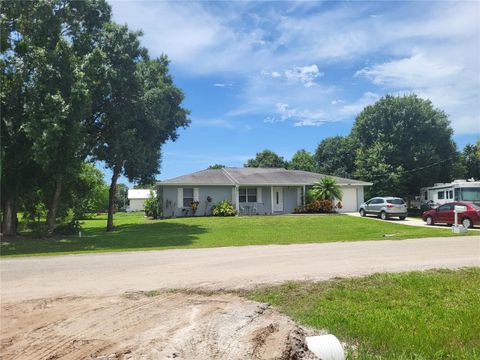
[{"x": 445, "y": 214}]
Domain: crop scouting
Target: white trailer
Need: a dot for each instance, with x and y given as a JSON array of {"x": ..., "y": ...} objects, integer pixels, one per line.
[
  {"x": 458, "y": 190},
  {"x": 137, "y": 198}
]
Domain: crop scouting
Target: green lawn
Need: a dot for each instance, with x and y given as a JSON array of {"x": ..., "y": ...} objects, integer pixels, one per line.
[
  {"x": 135, "y": 232},
  {"x": 417, "y": 315}
]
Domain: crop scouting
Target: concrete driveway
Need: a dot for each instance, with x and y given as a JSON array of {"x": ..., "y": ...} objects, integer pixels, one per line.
[{"x": 408, "y": 221}]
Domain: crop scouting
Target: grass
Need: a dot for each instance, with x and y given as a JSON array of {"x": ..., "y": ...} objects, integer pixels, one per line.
[
  {"x": 135, "y": 232},
  {"x": 416, "y": 315}
]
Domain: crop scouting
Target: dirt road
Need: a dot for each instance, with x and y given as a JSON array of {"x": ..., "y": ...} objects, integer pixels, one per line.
[
  {"x": 225, "y": 268},
  {"x": 89, "y": 306}
]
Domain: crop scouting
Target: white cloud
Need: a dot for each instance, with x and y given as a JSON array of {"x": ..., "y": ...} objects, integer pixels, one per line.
[
  {"x": 301, "y": 117},
  {"x": 355, "y": 107},
  {"x": 227, "y": 85},
  {"x": 452, "y": 84},
  {"x": 428, "y": 48},
  {"x": 304, "y": 75},
  {"x": 415, "y": 71}
]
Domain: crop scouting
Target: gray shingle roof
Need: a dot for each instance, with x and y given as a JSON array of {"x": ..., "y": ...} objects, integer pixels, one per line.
[{"x": 254, "y": 176}]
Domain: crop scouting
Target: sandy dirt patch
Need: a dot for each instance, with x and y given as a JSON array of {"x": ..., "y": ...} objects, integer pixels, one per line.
[{"x": 137, "y": 326}]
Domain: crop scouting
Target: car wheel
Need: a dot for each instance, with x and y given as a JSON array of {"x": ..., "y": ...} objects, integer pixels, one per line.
[
  {"x": 403, "y": 217},
  {"x": 383, "y": 215},
  {"x": 467, "y": 223},
  {"x": 429, "y": 221},
  {"x": 362, "y": 212}
]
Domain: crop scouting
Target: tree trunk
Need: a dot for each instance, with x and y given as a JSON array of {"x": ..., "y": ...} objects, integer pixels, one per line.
[
  {"x": 111, "y": 197},
  {"x": 52, "y": 211},
  {"x": 9, "y": 221}
]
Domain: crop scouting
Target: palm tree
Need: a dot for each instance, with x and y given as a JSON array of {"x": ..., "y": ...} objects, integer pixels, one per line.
[{"x": 326, "y": 189}]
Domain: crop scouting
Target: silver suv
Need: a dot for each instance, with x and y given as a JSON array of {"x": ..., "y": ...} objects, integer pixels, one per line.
[{"x": 384, "y": 207}]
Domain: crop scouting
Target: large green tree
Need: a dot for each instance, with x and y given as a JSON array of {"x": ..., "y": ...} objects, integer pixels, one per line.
[
  {"x": 471, "y": 157},
  {"x": 403, "y": 143},
  {"x": 138, "y": 108},
  {"x": 336, "y": 156},
  {"x": 45, "y": 100},
  {"x": 88, "y": 193},
  {"x": 302, "y": 160},
  {"x": 267, "y": 159}
]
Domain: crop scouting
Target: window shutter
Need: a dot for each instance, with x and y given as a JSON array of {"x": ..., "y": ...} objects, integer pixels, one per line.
[
  {"x": 195, "y": 194},
  {"x": 259, "y": 195},
  {"x": 299, "y": 196},
  {"x": 180, "y": 197}
]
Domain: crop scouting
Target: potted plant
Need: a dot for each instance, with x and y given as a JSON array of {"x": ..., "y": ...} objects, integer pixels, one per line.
[{"x": 194, "y": 207}]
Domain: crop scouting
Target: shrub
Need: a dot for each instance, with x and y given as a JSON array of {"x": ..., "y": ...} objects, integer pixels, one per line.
[
  {"x": 224, "y": 208},
  {"x": 151, "y": 206},
  {"x": 194, "y": 206},
  {"x": 320, "y": 206},
  {"x": 325, "y": 189},
  {"x": 299, "y": 210},
  {"x": 70, "y": 228}
]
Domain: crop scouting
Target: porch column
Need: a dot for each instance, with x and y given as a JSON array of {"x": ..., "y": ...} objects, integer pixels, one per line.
[
  {"x": 237, "y": 199},
  {"x": 304, "y": 197},
  {"x": 271, "y": 198}
]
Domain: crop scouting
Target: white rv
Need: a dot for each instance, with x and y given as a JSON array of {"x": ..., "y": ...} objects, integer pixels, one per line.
[{"x": 458, "y": 190}]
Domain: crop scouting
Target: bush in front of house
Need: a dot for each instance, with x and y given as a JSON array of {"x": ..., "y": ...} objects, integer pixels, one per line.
[
  {"x": 152, "y": 206},
  {"x": 320, "y": 206},
  {"x": 224, "y": 208},
  {"x": 320, "y": 198}
]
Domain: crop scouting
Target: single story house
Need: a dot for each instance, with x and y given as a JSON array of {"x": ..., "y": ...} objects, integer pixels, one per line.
[
  {"x": 137, "y": 197},
  {"x": 251, "y": 190}
]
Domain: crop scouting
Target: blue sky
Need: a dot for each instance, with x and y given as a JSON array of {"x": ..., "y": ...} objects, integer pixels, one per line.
[{"x": 285, "y": 75}]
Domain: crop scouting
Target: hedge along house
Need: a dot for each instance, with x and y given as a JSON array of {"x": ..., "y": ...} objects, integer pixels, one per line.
[{"x": 251, "y": 190}]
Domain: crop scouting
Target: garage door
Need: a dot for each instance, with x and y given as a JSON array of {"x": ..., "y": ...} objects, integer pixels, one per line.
[{"x": 349, "y": 200}]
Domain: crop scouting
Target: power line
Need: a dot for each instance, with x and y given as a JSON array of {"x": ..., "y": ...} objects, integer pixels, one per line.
[{"x": 412, "y": 170}]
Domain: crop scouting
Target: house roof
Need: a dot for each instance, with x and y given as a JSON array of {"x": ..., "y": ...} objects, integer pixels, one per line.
[
  {"x": 140, "y": 193},
  {"x": 255, "y": 176}
]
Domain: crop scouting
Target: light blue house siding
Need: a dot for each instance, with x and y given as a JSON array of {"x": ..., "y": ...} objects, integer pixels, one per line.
[
  {"x": 251, "y": 190},
  {"x": 172, "y": 207}
]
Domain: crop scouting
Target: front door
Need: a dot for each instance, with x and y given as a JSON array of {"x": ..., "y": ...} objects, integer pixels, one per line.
[{"x": 277, "y": 199}]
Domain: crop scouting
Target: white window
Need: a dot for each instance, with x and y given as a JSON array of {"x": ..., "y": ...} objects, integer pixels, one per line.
[
  {"x": 441, "y": 195},
  {"x": 247, "y": 195},
  {"x": 187, "y": 197}
]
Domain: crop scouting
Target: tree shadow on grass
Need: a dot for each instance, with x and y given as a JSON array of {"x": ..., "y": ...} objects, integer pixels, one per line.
[{"x": 127, "y": 236}]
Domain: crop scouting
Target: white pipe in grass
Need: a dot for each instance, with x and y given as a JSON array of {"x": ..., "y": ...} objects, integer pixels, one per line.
[{"x": 325, "y": 347}]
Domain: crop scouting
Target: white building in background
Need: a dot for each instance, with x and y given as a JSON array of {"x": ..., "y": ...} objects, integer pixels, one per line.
[
  {"x": 137, "y": 197},
  {"x": 458, "y": 190}
]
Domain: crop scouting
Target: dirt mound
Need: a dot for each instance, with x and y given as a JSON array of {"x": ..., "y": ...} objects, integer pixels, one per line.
[{"x": 149, "y": 326}]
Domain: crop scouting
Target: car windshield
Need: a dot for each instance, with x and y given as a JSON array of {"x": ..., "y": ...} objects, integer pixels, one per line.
[
  {"x": 475, "y": 206},
  {"x": 395, "y": 201}
]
